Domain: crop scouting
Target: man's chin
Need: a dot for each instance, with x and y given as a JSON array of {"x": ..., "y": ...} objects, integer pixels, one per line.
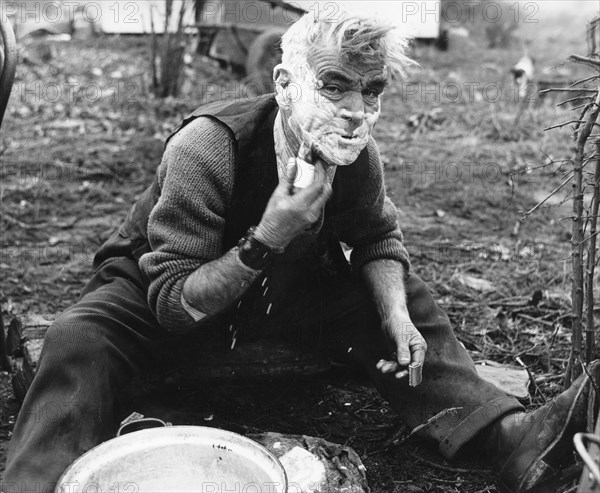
[{"x": 340, "y": 156}]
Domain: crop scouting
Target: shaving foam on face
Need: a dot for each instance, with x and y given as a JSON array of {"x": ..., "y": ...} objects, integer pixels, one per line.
[{"x": 319, "y": 124}]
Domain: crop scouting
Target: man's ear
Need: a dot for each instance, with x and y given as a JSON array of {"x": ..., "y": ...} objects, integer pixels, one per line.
[{"x": 282, "y": 75}]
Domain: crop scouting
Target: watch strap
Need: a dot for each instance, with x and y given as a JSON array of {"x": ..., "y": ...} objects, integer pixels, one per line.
[{"x": 253, "y": 253}]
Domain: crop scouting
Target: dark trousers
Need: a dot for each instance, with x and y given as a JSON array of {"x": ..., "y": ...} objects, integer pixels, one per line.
[{"x": 97, "y": 346}]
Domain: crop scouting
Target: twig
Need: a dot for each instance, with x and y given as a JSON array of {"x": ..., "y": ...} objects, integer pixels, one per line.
[
  {"x": 524, "y": 352},
  {"x": 534, "y": 319},
  {"x": 567, "y": 89},
  {"x": 513, "y": 301},
  {"x": 455, "y": 481},
  {"x": 587, "y": 79},
  {"x": 21, "y": 224},
  {"x": 584, "y": 366},
  {"x": 577, "y": 284},
  {"x": 585, "y": 105},
  {"x": 591, "y": 410},
  {"x": 586, "y": 238},
  {"x": 560, "y": 125},
  {"x": 585, "y": 59},
  {"x": 536, "y": 389},
  {"x": 544, "y": 200},
  {"x": 591, "y": 262},
  {"x": 547, "y": 378},
  {"x": 576, "y": 98},
  {"x": 581, "y": 115},
  {"x": 448, "y": 468}
]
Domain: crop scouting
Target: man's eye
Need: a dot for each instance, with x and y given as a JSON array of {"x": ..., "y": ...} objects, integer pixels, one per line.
[
  {"x": 371, "y": 94},
  {"x": 332, "y": 90}
]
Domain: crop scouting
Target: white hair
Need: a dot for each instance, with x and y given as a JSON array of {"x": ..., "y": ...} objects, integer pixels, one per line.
[{"x": 355, "y": 38}]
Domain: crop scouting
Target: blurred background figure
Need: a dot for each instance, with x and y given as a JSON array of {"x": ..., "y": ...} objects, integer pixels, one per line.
[{"x": 523, "y": 74}]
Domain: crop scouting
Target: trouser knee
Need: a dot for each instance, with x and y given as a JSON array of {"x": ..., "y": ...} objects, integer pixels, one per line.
[
  {"x": 49, "y": 412},
  {"x": 75, "y": 339}
]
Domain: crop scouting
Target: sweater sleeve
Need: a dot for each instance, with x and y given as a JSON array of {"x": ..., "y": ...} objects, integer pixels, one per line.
[
  {"x": 186, "y": 226},
  {"x": 372, "y": 228}
]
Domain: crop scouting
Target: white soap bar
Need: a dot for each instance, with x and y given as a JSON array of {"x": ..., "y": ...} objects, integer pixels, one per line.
[{"x": 305, "y": 175}]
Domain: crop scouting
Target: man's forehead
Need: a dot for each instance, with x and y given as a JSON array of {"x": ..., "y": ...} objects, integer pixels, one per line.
[{"x": 332, "y": 63}]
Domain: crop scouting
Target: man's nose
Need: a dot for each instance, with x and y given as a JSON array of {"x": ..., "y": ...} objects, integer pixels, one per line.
[{"x": 353, "y": 108}]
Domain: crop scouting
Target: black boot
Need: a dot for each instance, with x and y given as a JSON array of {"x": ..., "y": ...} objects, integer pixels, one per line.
[{"x": 531, "y": 450}]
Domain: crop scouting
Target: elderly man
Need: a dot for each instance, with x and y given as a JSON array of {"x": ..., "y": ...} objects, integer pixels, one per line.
[{"x": 239, "y": 239}]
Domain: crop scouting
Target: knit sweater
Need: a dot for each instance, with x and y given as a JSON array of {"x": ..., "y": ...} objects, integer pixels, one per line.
[{"x": 186, "y": 226}]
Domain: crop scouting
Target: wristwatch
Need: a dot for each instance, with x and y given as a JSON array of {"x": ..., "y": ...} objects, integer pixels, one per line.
[{"x": 253, "y": 253}]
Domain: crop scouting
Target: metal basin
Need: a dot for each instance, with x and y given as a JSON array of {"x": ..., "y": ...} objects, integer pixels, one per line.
[{"x": 181, "y": 459}]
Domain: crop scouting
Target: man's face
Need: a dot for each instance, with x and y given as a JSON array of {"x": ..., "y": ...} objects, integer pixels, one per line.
[{"x": 334, "y": 105}]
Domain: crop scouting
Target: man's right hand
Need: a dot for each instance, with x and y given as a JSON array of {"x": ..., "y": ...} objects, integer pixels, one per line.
[{"x": 291, "y": 210}]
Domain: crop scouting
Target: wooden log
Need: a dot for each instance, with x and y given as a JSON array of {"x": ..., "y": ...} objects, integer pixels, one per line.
[
  {"x": 13, "y": 338},
  {"x": 314, "y": 464},
  {"x": 251, "y": 360},
  {"x": 24, "y": 345}
]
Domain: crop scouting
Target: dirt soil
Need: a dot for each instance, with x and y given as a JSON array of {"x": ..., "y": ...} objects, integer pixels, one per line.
[{"x": 82, "y": 140}]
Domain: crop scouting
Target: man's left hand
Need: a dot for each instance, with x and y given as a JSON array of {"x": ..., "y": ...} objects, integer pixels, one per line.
[{"x": 410, "y": 344}]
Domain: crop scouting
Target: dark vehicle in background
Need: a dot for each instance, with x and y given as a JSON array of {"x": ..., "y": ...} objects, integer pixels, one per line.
[{"x": 244, "y": 36}]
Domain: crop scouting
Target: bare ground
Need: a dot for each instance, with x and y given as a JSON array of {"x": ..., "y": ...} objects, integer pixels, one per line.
[{"x": 460, "y": 172}]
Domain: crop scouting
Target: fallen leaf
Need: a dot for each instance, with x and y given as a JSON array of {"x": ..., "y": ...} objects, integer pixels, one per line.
[
  {"x": 475, "y": 283},
  {"x": 512, "y": 380}
]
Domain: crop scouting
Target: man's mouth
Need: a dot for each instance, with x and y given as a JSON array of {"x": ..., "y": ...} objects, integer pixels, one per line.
[{"x": 349, "y": 137}]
